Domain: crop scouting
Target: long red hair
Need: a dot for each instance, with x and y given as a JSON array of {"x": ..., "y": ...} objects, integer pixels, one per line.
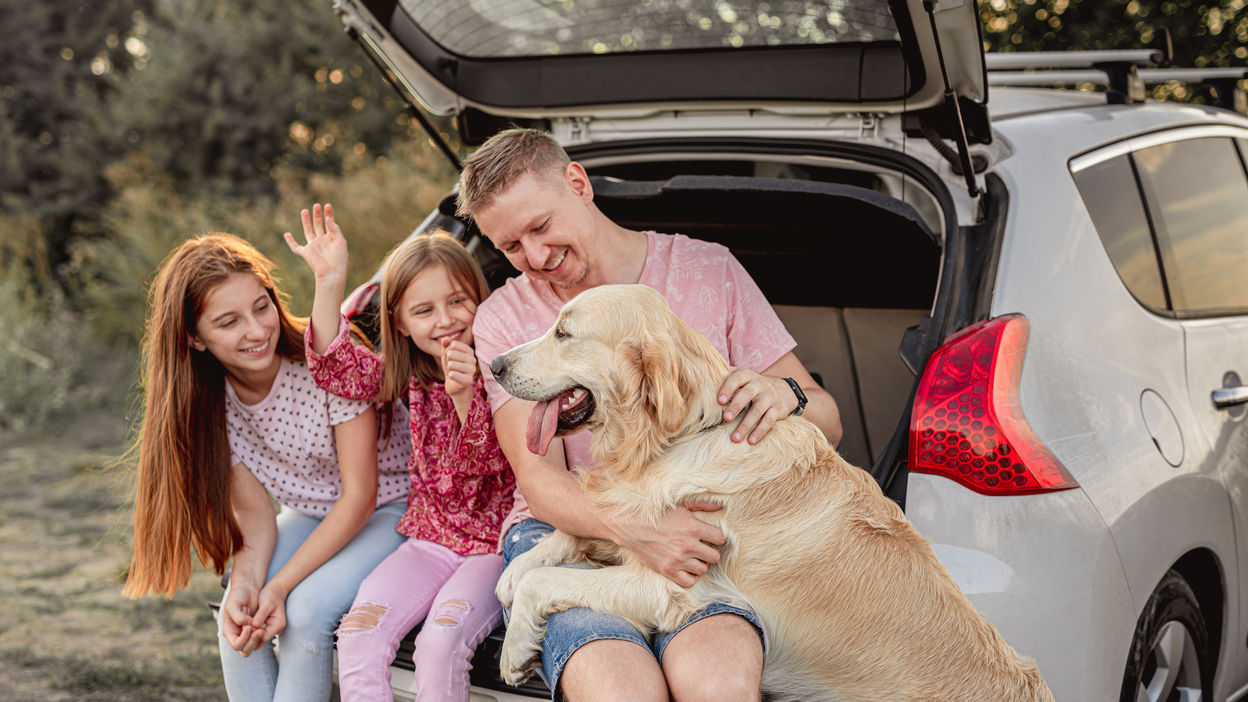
[{"x": 183, "y": 493}]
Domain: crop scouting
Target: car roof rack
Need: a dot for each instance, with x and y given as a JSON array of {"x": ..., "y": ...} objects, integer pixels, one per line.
[
  {"x": 1126, "y": 73},
  {"x": 1120, "y": 67},
  {"x": 1020, "y": 60}
]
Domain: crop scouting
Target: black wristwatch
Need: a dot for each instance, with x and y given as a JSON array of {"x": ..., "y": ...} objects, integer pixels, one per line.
[{"x": 801, "y": 397}]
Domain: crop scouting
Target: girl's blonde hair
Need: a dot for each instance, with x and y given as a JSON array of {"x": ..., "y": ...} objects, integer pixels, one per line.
[
  {"x": 408, "y": 260},
  {"x": 183, "y": 493}
]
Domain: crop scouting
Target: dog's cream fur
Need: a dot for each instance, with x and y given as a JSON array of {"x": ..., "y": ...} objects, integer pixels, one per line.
[{"x": 853, "y": 602}]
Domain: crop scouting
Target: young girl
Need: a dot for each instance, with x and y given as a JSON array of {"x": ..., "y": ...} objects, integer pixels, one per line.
[
  {"x": 461, "y": 485},
  {"x": 233, "y": 419}
]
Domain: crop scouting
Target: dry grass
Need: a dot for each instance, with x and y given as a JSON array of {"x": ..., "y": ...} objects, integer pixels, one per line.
[{"x": 66, "y": 631}]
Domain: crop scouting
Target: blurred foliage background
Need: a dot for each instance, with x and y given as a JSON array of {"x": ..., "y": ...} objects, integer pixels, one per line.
[
  {"x": 1202, "y": 34},
  {"x": 1205, "y": 34}
]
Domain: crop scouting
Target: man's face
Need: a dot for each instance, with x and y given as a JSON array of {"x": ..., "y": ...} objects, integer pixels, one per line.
[{"x": 542, "y": 224}]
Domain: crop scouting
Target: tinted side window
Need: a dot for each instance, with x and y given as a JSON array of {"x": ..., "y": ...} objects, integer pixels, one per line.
[
  {"x": 1113, "y": 199},
  {"x": 1198, "y": 197}
]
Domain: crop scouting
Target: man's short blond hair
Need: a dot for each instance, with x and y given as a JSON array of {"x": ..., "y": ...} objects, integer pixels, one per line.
[{"x": 501, "y": 161}]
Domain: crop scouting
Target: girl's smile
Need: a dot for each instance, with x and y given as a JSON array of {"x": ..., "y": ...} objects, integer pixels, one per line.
[{"x": 258, "y": 350}]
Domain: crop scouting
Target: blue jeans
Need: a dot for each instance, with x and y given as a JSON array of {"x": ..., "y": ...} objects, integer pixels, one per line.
[
  {"x": 568, "y": 630},
  {"x": 313, "y": 609}
]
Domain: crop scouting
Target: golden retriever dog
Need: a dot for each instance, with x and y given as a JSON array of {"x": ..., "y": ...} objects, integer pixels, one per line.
[{"x": 852, "y": 601}]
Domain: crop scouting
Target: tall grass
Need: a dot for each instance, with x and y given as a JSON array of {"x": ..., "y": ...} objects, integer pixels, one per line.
[{"x": 48, "y": 359}]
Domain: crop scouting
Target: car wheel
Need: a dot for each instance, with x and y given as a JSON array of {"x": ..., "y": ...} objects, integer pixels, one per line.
[{"x": 1170, "y": 652}]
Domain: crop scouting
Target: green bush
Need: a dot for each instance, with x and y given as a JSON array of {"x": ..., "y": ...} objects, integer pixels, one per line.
[
  {"x": 78, "y": 345},
  {"x": 377, "y": 201}
]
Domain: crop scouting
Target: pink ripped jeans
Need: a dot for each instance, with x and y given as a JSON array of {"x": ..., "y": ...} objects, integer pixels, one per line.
[{"x": 421, "y": 579}]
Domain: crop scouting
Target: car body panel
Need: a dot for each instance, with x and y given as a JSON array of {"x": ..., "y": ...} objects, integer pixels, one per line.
[
  {"x": 1052, "y": 561},
  {"x": 1216, "y": 347},
  {"x": 403, "y": 685}
]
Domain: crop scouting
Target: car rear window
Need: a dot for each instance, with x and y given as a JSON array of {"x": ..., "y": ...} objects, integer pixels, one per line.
[
  {"x": 1197, "y": 194},
  {"x": 1113, "y": 200},
  {"x": 516, "y": 28}
]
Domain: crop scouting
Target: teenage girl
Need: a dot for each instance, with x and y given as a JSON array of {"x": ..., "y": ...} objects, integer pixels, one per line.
[
  {"x": 461, "y": 485},
  {"x": 233, "y": 419}
]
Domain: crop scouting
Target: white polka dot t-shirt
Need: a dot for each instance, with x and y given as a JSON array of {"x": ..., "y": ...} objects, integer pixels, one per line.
[{"x": 287, "y": 441}]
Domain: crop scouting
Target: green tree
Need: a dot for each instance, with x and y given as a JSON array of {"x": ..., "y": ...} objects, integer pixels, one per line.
[
  {"x": 1204, "y": 33},
  {"x": 59, "y": 64},
  {"x": 216, "y": 95},
  {"x": 233, "y": 90}
]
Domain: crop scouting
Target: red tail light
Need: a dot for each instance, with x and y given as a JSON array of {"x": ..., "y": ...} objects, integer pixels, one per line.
[{"x": 967, "y": 423}]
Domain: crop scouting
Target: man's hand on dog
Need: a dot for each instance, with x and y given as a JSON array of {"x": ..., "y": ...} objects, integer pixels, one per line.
[
  {"x": 680, "y": 547},
  {"x": 768, "y": 399}
]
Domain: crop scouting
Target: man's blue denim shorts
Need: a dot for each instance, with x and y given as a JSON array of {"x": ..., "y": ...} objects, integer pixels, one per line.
[{"x": 569, "y": 630}]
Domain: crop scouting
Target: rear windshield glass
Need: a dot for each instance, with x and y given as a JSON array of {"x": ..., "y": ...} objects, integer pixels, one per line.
[{"x": 516, "y": 28}]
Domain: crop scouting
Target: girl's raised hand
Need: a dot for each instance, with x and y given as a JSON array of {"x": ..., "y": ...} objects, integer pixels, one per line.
[{"x": 326, "y": 249}]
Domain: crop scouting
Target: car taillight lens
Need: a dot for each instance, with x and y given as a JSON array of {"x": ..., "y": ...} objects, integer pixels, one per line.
[{"x": 967, "y": 423}]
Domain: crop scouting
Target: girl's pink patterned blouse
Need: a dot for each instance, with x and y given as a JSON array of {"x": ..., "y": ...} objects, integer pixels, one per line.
[{"x": 462, "y": 486}]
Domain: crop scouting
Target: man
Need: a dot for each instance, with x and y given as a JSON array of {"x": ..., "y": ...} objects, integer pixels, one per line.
[{"x": 538, "y": 208}]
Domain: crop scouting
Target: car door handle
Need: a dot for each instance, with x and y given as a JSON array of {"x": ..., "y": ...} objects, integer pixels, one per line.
[{"x": 1225, "y": 398}]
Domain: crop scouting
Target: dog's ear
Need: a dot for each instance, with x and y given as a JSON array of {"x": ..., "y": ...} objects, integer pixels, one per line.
[
  {"x": 633, "y": 432},
  {"x": 663, "y": 390},
  {"x": 675, "y": 371},
  {"x": 660, "y": 380},
  {"x": 699, "y": 374}
]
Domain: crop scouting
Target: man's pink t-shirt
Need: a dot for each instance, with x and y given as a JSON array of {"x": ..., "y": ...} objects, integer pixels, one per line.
[{"x": 704, "y": 285}]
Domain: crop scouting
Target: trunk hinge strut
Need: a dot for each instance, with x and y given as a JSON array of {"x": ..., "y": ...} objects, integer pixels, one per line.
[
  {"x": 390, "y": 73},
  {"x": 951, "y": 101}
]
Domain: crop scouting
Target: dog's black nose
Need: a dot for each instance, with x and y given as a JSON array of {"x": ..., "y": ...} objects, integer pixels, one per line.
[{"x": 498, "y": 367}]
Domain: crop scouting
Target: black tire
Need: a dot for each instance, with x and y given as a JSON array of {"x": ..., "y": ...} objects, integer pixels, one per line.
[{"x": 1169, "y": 657}]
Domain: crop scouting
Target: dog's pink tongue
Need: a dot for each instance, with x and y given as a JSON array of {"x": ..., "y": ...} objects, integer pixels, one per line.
[{"x": 542, "y": 424}]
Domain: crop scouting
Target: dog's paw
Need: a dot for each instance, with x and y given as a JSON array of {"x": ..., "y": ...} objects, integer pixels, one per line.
[
  {"x": 517, "y": 663},
  {"x": 507, "y": 583}
]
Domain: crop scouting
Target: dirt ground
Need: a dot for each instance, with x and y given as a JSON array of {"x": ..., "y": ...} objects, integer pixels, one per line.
[{"x": 66, "y": 631}]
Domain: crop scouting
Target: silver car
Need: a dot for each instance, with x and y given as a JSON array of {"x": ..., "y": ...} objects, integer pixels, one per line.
[{"x": 1032, "y": 314}]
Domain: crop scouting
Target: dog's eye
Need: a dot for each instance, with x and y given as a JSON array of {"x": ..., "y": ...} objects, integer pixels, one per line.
[{"x": 560, "y": 334}]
